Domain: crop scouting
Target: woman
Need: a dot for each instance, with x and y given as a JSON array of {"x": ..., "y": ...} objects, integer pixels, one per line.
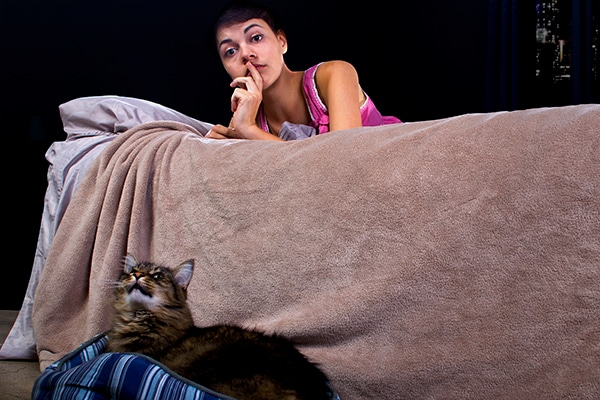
[{"x": 269, "y": 98}]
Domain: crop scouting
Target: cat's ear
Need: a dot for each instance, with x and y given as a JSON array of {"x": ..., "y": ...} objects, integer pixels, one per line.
[
  {"x": 183, "y": 273},
  {"x": 129, "y": 263}
]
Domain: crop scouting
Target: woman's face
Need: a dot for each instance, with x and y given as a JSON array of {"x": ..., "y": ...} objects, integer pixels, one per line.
[{"x": 252, "y": 41}]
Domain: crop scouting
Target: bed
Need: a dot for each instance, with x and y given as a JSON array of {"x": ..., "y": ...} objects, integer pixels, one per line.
[{"x": 452, "y": 258}]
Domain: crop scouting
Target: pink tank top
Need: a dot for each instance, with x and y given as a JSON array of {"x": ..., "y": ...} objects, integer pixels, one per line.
[{"x": 319, "y": 114}]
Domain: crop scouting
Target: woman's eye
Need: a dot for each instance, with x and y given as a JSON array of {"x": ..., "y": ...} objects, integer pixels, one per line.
[
  {"x": 257, "y": 38},
  {"x": 229, "y": 52}
]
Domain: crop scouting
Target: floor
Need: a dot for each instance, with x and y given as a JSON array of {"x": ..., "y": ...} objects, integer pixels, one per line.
[{"x": 16, "y": 377}]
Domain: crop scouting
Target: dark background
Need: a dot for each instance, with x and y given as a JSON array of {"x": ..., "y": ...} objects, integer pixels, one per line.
[{"x": 418, "y": 60}]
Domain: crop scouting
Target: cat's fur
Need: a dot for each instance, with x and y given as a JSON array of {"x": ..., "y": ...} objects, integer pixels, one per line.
[{"x": 151, "y": 316}]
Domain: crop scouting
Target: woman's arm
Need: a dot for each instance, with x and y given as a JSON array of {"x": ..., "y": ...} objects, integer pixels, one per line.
[
  {"x": 223, "y": 132},
  {"x": 337, "y": 83}
]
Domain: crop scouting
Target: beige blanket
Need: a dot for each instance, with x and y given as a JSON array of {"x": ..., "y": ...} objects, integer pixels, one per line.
[{"x": 457, "y": 258}]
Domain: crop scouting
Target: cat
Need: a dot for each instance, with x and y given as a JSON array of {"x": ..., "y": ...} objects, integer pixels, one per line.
[{"x": 152, "y": 317}]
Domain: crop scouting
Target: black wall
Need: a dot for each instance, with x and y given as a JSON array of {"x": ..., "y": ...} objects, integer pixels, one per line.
[{"x": 418, "y": 60}]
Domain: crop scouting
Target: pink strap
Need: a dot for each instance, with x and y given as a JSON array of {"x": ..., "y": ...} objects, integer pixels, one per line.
[
  {"x": 318, "y": 112},
  {"x": 262, "y": 120}
]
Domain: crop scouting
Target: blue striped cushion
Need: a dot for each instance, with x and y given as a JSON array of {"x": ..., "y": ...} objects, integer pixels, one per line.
[{"x": 89, "y": 372}]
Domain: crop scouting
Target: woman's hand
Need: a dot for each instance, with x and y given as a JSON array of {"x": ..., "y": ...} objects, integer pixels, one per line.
[
  {"x": 246, "y": 98},
  {"x": 220, "y": 132},
  {"x": 223, "y": 132},
  {"x": 245, "y": 101}
]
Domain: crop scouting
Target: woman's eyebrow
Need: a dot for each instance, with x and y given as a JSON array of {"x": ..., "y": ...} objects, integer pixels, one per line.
[
  {"x": 246, "y": 29},
  {"x": 222, "y": 42}
]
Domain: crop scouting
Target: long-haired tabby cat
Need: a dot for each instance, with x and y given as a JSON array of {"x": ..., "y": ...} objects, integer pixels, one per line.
[{"x": 151, "y": 316}]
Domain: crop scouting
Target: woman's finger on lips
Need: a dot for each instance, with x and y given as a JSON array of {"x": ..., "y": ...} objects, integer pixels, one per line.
[{"x": 256, "y": 77}]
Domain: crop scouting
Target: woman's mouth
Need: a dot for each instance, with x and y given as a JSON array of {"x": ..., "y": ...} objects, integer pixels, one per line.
[{"x": 258, "y": 67}]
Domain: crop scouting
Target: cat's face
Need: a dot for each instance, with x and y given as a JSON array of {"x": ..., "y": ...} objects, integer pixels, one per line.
[{"x": 149, "y": 286}]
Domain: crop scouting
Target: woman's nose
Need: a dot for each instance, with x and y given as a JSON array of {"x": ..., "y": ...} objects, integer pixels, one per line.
[{"x": 247, "y": 54}]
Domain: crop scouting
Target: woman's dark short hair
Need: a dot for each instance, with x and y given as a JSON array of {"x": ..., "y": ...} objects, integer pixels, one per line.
[{"x": 239, "y": 11}]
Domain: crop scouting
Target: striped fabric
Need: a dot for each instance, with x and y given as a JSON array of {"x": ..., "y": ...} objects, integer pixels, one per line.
[{"x": 90, "y": 373}]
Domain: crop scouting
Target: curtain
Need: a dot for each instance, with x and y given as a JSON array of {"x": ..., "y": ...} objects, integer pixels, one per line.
[
  {"x": 504, "y": 61},
  {"x": 513, "y": 78},
  {"x": 584, "y": 64}
]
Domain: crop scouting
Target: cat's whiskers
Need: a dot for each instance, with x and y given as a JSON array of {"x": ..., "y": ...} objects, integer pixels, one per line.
[{"x": 112, "y": 283}]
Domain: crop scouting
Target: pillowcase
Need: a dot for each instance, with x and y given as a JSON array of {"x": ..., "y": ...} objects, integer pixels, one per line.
[
  {"x": 291, "y": 131},
  {"x": 99, "y": 115}
]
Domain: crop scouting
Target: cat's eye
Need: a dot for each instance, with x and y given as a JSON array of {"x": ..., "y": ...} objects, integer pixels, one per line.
[{"x": 156, "y": 275}]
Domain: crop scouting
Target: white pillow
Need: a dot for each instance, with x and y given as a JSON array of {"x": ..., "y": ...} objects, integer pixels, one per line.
[{"x": 95, "y": 115}]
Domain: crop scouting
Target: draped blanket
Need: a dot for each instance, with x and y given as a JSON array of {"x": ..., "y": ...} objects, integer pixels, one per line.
[{"x": 456, "y": 258}]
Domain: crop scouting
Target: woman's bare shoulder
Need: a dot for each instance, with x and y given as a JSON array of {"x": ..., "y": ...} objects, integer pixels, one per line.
[{"x": 335, "y": 66}]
